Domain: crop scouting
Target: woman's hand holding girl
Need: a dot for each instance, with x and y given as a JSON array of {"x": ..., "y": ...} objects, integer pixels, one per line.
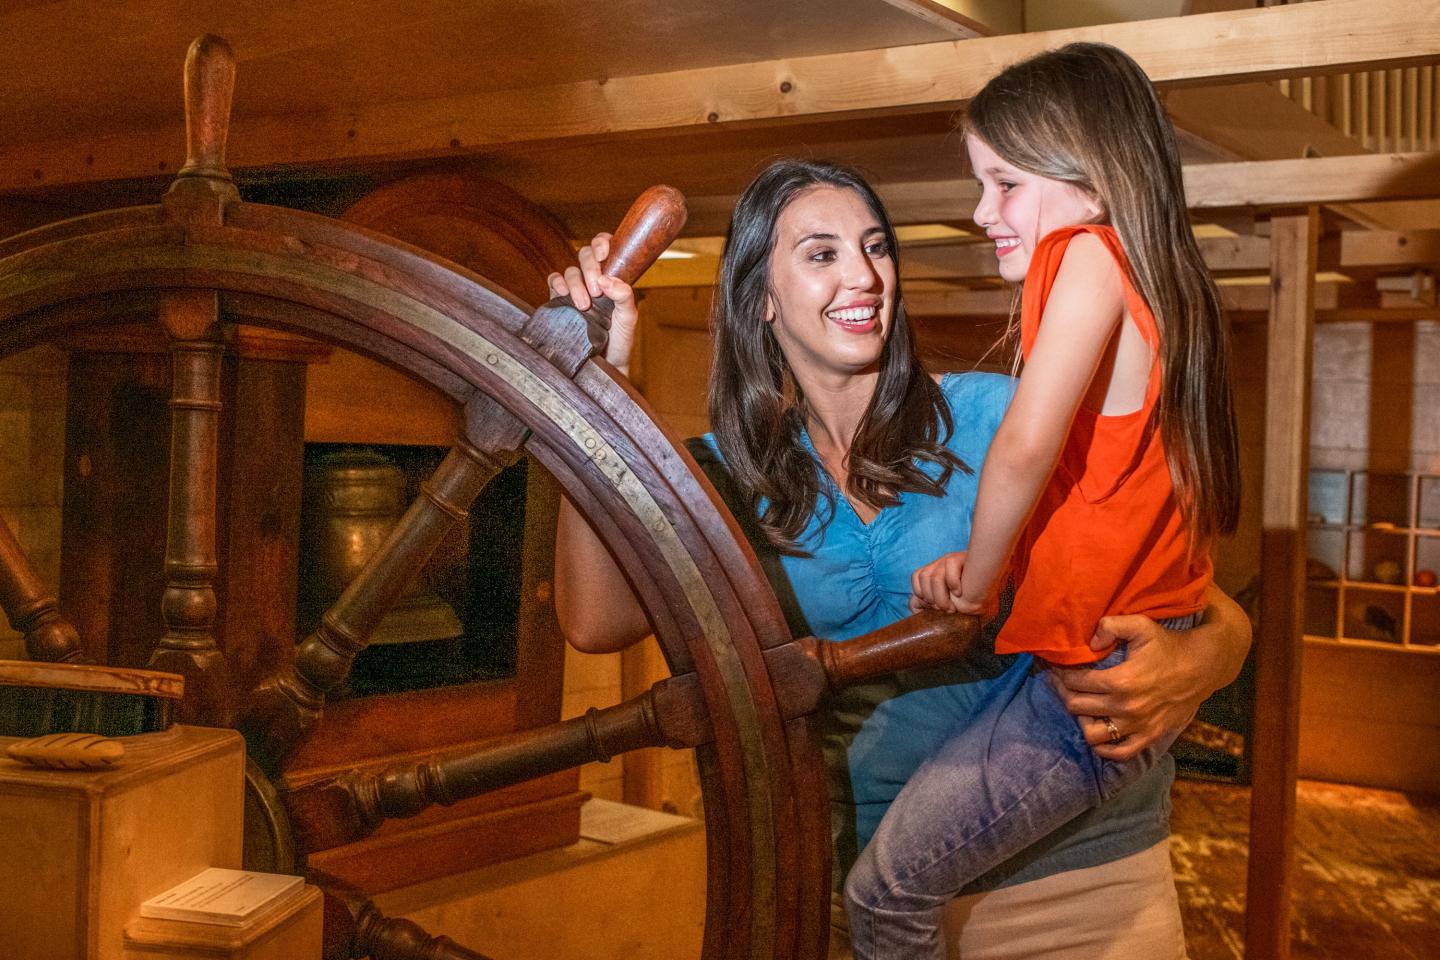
[
  {"x": 1166, "y": 675},
  {"x": 585, "y": 282}
]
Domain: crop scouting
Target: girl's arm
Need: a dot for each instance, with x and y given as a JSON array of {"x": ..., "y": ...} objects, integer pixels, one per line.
[
  {"x": 1083, "y": 313},
  {"x": 593, "y": 602},
  {"x": 1165, "y": 677}
]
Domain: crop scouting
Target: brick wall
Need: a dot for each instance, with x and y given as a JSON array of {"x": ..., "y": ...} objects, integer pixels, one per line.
[{"x": 32, "y": 433}]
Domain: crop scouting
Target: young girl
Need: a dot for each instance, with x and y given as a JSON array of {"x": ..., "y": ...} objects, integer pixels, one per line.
[{"x": 1114, "y": 468}]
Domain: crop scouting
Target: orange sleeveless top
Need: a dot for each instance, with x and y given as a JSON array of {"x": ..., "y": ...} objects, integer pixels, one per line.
[{"x": 1106, "y": 536}]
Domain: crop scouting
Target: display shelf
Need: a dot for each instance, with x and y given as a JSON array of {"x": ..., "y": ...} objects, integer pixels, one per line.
[
  {"x": 1428, "y": 514},
  {"x": 1374, "y": 548},
  {"x": 1377, "y": 587},
  {"x": 1425, "y": 619}
]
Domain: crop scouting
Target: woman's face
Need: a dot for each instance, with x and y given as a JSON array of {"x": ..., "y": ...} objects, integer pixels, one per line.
[
  {"x": 1017, "y": 208},
  {"x": 832, "y": 283}
]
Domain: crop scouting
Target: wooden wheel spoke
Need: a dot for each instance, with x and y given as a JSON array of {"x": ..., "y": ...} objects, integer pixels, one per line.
[
  {"x": 188, "y": 646},
  {"x": 290, "y": 702},
  {"x": 346, "y": 808},
  {"x": 32, "y": 608},
  {"x": 805, "y": 671},
  {"x": 192, "y": 319},
  {"x": 355, "y": 928},
  {"x": 567, "y": 337},
  {"x": 925, "y": 639}
]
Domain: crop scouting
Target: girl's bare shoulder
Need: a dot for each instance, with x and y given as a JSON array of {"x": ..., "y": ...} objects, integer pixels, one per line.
[{"x": 1086, "y": 250}]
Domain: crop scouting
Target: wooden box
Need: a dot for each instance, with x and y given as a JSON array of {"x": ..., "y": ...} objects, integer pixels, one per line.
[{"x": 80, "y": 849}]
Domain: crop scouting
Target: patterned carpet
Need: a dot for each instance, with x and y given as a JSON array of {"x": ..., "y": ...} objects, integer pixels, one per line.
[{"x": 1368, "y": 880}]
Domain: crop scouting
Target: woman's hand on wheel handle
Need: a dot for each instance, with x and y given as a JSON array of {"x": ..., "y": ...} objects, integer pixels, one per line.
[{"x": 586, "y": 281}]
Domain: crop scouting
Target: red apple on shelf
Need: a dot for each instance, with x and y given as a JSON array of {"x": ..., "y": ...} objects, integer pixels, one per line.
[{"x": 1424, "y": 578}]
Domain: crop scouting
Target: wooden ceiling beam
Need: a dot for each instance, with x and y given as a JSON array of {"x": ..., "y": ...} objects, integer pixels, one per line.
[
  {"x": 1359, "y": 250},
  {"x": 924, "y": 201},
  {"x": 1209, "y": 187},
  {"x": 1389, "y": 249},
  {"x": 1319, "y": 180},
  {"x": 1242, "y": 304},
  {"x": 1230, "y": 46},
  {"x": 945, "y": 16},
  {"x": 1255, "y": 121}
]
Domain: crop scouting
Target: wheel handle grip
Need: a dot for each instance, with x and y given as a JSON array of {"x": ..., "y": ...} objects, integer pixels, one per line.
[
  {"x": 651, "y": 224},
  {"x": 209, "y": 89}
]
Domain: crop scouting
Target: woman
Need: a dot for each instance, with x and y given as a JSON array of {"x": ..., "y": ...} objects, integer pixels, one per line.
[{"x": 853, "y": 468}]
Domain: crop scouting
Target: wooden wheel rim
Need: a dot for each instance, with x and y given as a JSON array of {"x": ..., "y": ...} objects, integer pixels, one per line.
[{"x": 339, "y": 283}]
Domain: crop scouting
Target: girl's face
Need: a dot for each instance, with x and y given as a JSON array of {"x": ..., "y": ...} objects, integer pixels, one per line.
[
  {"x": 1017, "y": 208},
  {"x": 832, "y": 283}
]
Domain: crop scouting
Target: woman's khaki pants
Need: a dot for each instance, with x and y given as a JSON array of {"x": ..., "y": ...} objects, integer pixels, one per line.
[{"x": 1125, "y": 910}]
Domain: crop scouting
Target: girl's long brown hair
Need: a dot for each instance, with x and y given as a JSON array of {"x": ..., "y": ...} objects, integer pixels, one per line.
[
  {"x": 757, "y": 410},
  {"x": 1086, "y": 114}
]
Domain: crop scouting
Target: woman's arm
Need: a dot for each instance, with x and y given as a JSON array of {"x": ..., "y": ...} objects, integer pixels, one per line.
[
  {"x": 1082, "y": 313},
  {"x": 593, "y": 602},
  {"x": 1164, "y": 679}
]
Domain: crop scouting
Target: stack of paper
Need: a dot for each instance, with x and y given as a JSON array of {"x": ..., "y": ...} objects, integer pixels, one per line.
[{"x": 217, "y": 895}]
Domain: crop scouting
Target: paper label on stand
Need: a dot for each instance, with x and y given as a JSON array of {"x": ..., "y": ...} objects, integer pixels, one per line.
[{"x": 218, "y": 895}]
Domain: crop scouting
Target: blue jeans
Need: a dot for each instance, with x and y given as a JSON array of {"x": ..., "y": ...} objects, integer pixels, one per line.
[{"x": 1020, "y": 770}]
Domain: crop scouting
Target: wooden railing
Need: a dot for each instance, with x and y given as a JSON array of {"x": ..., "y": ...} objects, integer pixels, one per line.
[{"x": 1389, "y": 111}]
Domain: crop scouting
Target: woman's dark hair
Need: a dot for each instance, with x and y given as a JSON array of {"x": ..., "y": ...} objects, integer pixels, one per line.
[
  {"x": 1087, "y": 115},
  {"x": 757, "y": 410}
]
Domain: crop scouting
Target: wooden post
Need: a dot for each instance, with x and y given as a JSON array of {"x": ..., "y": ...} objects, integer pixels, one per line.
[
  {"x": 1293, "y": 254},
  {"x": 643, "y": 782}
]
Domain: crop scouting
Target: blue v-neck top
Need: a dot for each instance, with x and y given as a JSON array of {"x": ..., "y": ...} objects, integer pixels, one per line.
[{"x": 855, "y": 579}]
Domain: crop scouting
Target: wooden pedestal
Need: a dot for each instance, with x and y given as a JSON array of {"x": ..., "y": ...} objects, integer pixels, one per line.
[
  {"x": 80, "y": 849},
  {"x": 632, "y": 886}
]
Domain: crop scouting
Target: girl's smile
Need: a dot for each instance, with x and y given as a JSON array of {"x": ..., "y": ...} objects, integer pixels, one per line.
[{"x": 1005, "y": 245}]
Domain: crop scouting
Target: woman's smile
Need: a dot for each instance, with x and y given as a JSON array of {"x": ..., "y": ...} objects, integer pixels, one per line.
[{"x": 857, "y": 317}]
